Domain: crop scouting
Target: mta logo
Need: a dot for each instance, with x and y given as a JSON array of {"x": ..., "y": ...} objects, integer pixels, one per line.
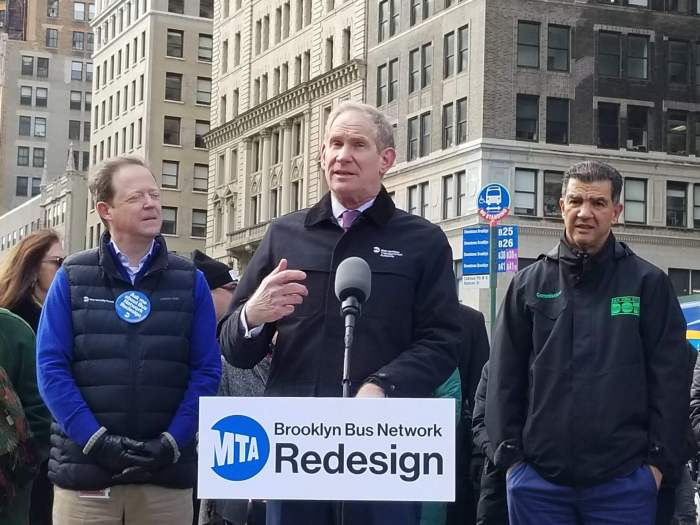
[{"x": 241, "y": 448}]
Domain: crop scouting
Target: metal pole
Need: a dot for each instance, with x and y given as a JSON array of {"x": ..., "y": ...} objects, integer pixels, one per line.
[{"x": 493, "y": 272}]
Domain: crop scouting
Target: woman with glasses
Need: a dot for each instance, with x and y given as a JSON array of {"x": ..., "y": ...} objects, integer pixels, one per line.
[{"x": 27, "y": 272}]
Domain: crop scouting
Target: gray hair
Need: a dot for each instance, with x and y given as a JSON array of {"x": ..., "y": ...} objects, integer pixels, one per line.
[
  {"x": 594, "y": 171},
  {"x": 383, "y": 132}
]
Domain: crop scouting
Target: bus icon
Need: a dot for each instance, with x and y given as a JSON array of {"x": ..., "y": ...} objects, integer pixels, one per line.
[{"x": 494, "y": 198}]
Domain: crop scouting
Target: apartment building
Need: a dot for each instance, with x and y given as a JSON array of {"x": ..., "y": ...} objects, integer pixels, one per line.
[
  {"x": 515, "y": 91},
  {"x": 279, "y": 68},
  {"x": 45, "y": 91},
  {"x": 152, "y": 94}
]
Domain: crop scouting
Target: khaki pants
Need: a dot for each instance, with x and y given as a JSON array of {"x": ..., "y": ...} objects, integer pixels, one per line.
[{"x": 127, "y": 505}]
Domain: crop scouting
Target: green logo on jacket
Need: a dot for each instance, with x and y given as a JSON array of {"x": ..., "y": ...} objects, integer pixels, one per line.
[
  {"x": 628, "y": 305},
  {"x": 554, "y": 295}
]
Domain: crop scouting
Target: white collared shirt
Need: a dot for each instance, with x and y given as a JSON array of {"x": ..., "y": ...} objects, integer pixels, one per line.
[{"x": 131, "y": 271}]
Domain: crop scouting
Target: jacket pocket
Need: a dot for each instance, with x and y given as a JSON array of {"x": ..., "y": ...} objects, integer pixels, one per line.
[{"x": 545, "y": 314}]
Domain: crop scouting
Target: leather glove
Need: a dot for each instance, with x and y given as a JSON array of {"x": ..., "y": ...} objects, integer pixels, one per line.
[
  {"x": 157, "y": 453},
  {"x": 112, "y": 452}
]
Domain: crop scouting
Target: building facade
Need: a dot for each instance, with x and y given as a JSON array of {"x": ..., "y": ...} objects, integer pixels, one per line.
[
  {"x": 152, "y": 90},
  {"x": 61, "y": 205},
  {"x": 45, "y": 87},
  {"x": 279, "y": 68}
]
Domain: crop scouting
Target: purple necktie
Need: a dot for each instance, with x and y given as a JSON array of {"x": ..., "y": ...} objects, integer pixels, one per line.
[{"x": 348, "y": 217}]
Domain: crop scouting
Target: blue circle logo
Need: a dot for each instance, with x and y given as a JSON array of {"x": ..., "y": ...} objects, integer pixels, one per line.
[
  {"x": 241, "y": 448},
  {"x": 132, "y": 306}
]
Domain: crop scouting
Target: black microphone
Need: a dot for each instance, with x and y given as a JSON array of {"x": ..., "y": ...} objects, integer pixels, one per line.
[{"x": 353, "y": 282}]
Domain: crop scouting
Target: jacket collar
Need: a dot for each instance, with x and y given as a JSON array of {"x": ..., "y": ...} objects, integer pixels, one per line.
[
  {"x": 380, "y": 212},
  {"x": 109, "y": 261},
  {"x": 563, "y": 250}
]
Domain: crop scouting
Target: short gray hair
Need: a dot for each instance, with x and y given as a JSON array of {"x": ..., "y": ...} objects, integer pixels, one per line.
[
  {"x": 383, "y": 131},
  {"x": 594, "y": 171}
]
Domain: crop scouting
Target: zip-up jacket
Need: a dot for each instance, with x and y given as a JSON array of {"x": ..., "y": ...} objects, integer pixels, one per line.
[
  {"x": 587, "y": 375},
  {"x": 407, "y": 336}
]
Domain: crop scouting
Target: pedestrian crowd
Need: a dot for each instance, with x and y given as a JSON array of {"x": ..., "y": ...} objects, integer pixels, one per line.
[{"x": 584, "y": 407}]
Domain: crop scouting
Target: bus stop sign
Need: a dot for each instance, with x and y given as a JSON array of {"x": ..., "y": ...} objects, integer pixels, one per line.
[{"x": 493, "y": 202}]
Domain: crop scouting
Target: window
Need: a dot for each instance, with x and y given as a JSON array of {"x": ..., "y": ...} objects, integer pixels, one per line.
[
  {"x": 676, "y": 203},
  {"x": 462, "y": 49},
  {"x": 448, "y": 188},
  {"x": 677, "y": 6},
  {"x": 42, "y": 67},
  {"x": 608, "y": 54},
  {"x": 27, "y": 65},
  {"x": 38, "y": 157},
  {"x": 176, "y": 6},
  {"x": 448, "y": 51},
  {"x": 88, "y": 101},
  {"x": 25, "y": 126},
  {"x": 174, "y": 43},
  {"x": 677, "y": 132},
  {"x": 173, "y": 86},
  {"x": 697, "y": 58},
  {"x": 78, "y": 40},
  {"x": 638, "y": 57},
  {"x": 413, "y": 138},
  {"x": 204, "y": 50},
  {"x": 23, "y": 156},
  {"x": 52, "y": 38},
  {"x": 558, "y": 43},
  {"x": 419, "y": 136},
  {"x": 25, "y": 96},
  {"x": 52, "y": 8},
  {"x": 608, "y": 125},
  {"x": 86, "y": 132},
  {"x": 527, "y": 117},
  {"x": 76, "y": 70},
  {"x": 78, "y": 11},
  {"x": 41, "y": 96},
  {"x": 203, "y": 90},
  {"x": 88, "y": 72},
  {"x": 635, "y": 201},
  {"x": 678, "y": 54},
  {"x": 461, "y": 121},
  {"x": 169, "y": 216},
  {"x": 425, "y": 129},
  {"x": 384, "y": 20},
  {"x": 21, "y": 185},
  {"x": 39, "y": 126},
  {"x": 393, "y": 79},
  {"x": 419, "y": 199},
  {"x": 206, "y": 8},
  {"x": 696, "y": 206},
  {"x": 557, "y": 120},
  {"x": 447, "y": 126},
  {"x": 525, "y": 198},
  {"x": 413, "y": 70},
  {"x": 200, "y": 180},
  {"x": 76, "y": 100},
  {"x": 170, "y": 174},
  {"x": 427, "y": 64},
  {"x": 201, "y": 128},
  {"x": 36, "y": 183},
  {"x": 171, "y": 130},
  {"x": 91, "y": 11},
  {"x": 685, "y": 282},
  {"x": 552, "y": 193},
  {"x": 382, "y": 84},
  {"x": 637, "y": 128},
  {"x": 528, "y": 44},
  {"x": 74, "y": 129},
  {"x": 90, "y": 43}
]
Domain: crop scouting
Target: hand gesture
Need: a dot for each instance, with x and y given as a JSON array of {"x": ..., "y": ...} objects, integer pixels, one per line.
[{"x": 276, "y": 296}]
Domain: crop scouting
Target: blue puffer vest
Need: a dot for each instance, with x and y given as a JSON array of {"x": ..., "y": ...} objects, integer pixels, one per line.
[{"x": 132, "y": 376}]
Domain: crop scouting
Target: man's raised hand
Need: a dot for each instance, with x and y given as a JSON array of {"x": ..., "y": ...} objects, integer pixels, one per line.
[{"x": 276, "y": 296}]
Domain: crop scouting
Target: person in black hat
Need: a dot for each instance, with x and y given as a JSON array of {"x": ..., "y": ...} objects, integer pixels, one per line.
[
  {"x": 234, "y": 382},
  {"x": 220, "y": 279}
]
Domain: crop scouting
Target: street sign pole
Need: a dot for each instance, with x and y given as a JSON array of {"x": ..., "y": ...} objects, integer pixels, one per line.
[{"x": 493, "y": 272}]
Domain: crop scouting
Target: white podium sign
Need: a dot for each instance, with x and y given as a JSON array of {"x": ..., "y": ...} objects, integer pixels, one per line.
[{"x": 327, "y": 449}]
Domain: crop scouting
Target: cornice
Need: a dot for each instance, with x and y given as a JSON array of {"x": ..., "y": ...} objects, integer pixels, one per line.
[{"x": 292, "y": 99}]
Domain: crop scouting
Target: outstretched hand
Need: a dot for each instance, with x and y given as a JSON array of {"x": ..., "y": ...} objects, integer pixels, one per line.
[{"x": 276, "y": 297}]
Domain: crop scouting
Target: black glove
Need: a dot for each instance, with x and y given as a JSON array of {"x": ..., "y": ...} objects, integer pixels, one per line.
[
  {"x": 115, "y": 453},
  {"x": 156, "y": 453}
]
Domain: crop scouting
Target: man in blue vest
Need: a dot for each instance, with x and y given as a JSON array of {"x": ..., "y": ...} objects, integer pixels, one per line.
[{"x": 126, "y": 345}]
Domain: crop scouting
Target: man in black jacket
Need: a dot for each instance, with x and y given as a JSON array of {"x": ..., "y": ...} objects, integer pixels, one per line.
[
  {"x": 587, "y": 403},
  {"x": 406, "y": 340}
]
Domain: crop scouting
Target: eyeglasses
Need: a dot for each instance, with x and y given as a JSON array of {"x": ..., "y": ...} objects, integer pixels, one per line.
[{"x": 58, "y": 261}]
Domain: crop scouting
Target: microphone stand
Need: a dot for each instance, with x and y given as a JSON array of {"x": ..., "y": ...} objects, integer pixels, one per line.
[{"x": 350, "y": 309}]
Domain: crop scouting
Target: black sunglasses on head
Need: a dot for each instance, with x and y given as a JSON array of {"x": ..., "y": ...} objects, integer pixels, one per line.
[{"x": 58, "y": 261}]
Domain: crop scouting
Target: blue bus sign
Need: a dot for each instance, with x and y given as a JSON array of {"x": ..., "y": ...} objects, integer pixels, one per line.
[{"x": 493, "y": 202}]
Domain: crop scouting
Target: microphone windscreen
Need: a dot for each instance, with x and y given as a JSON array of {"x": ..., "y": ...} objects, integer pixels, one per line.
[{"x": 353, "y": 278}]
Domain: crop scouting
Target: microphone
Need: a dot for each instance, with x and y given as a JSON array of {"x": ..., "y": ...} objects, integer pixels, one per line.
[{"x": 353, "y": 282}]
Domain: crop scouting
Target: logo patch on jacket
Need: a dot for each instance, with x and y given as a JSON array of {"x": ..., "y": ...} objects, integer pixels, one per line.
[
  {"x": 553, "y": 295},
  {"x": 628, "y": 305}
]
